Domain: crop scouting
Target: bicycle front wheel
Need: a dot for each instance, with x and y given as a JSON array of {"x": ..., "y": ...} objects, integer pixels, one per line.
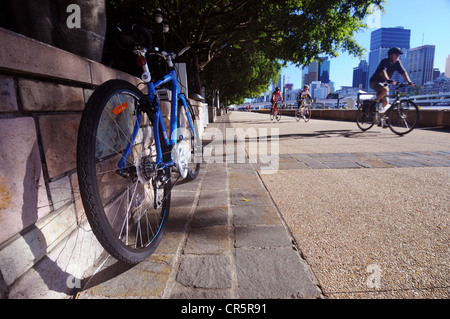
[
  {"x": 403, "y": 117},
  {"x": 126, "y": 197},
  {"x": 278, "y": 115},
  {"x": 189, "y": 149},
  {"x": 272, "y": 116},
  {"x": 306, "y": 113}
]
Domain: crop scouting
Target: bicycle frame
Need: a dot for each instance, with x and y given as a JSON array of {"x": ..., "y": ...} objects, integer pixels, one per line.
[
  {"x": 157, "y": 118},
  {"x": 304, "y": 103},
  {"x": 277, "y": 106}
]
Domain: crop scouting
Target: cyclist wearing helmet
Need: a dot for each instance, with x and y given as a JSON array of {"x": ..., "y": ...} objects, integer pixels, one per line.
[
  {"x": 304, "y": 94},
  {"x": 275, "y": 96},
  {"x": 383, "y": 75}
]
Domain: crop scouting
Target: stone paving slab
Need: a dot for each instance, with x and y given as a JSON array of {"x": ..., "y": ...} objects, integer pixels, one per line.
[
  {"x": 262, "y": 236},
  {"x": 364, "y": 160},
  {"x": 273, "y": 273},
  {"x": 208, "y": 272},
  {"x": 255, "y": 215}
]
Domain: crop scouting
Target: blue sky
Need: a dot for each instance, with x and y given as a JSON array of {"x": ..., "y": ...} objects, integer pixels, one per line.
[{"x": 428, "y": 21}]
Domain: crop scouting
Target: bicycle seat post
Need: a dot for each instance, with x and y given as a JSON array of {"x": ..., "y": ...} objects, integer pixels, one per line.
[{"x": 142, "y": 61}]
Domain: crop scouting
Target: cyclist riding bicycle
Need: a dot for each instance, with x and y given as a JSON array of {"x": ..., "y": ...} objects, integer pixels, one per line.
[
  {"x": 275, "y": 96},
  {"x": 303, "y": 95},
  {"x": 383, "y": 75}
]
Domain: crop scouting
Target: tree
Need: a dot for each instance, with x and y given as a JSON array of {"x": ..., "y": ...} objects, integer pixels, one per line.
[
  {"x": 239, "y": 72},
  {"x": 288, "y": 30}
]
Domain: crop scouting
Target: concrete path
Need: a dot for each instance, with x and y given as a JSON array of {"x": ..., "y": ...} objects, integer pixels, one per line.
[{"x": 300, "y": 210}]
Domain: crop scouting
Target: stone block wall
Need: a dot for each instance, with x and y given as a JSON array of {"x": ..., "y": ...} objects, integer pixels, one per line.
[{"x": 45, "y": 242}]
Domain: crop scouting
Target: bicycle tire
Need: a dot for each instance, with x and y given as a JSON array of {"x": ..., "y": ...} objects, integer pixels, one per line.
[
  {"x": 403, "y": 117},
  {"x": 297, "y": 115},
  {"x": 120, "y": 203},
  {"x": 306, "y": 113},
  {"x": 189, "y": 141},
  {"x": 365, "y": 118},
  {"x": 278, "y": 115},
  {"x": 272, "y": 116}
]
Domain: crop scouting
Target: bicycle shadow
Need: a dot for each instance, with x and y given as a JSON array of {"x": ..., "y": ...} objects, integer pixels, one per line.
[
  {"x": 352, "y": 134},
  {"x": 52, "y": 268},
  {"x": 328, "y": 134},
  {"x": 51, "y": 273}
]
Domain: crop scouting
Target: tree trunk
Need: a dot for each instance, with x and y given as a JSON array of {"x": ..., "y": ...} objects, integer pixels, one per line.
[{"x": 196, "y": 75}]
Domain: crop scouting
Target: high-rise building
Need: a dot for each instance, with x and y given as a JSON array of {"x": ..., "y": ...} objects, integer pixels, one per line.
[
  {"x": 324, "y": 70},
  {"x": 313, "y": 72},
  {"x": 318, "y": 70},
  {"x": 420, "y": 64},
  {"x": 447, "y": 67},
  {"x": 319, "y": 90},
  {"x": 381, "y": 40},
  {"x": 360, "y": 74},
  {"x": 436, "y": 73}
]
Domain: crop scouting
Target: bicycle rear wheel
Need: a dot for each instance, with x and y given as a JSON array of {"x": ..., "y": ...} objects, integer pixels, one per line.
[
  {"x": 365, "y": 117},
  {"x": 298, "y": 115},
  {"x": 403, "y": 117},
  {"x": 125, "y": 196}
]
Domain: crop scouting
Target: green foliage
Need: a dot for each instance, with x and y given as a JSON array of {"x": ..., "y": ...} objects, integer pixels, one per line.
[
  {"x": 247, "y": 38},
  {"x": 237, "y": 73}
]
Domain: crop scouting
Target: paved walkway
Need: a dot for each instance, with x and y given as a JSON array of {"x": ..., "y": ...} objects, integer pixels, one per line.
[{"x": 301, "y": 210}]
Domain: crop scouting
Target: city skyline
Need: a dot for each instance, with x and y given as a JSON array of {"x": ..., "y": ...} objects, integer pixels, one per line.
[{"x": 428, "y": 25}]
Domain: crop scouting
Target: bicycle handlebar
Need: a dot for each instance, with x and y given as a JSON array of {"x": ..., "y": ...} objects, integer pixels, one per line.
[
  {"x": 399, "y": 84},
  {"x": 169, "y": 56},
  {"x": 195, "y": 49}
]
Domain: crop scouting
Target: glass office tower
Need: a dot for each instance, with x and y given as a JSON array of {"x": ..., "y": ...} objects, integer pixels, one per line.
[
  {"x": 420, "y": 64},
  {"x": 318, "y": 70},
  {"x": 360, "y": 74}
]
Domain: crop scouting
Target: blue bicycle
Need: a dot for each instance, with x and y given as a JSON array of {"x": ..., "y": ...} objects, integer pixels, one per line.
[{"x": 127, "y": 161}]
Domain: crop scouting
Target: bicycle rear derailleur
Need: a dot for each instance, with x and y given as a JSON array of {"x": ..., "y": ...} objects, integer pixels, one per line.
[{"x": 148, "y": 171}]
